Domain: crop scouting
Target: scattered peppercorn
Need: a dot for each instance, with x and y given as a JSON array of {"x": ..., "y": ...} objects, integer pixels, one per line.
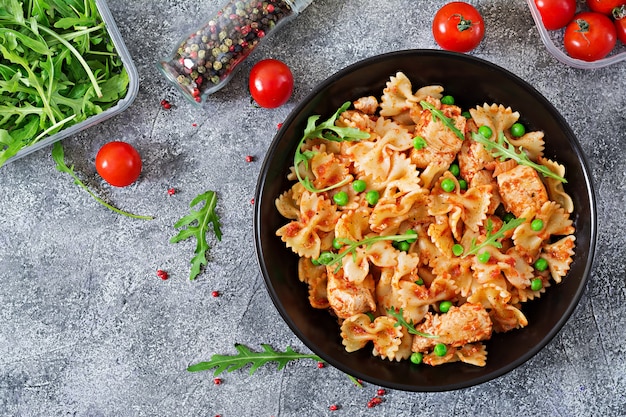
[
  {"x": 215, "y": 294},
  {"x": 249, "y": 158},
  {"x": 171, "y": 191},
  {"x": 374, "y": 402},
  {"x": 217, "y": 381},
  {"x": 165, "y": 104},
  {"x": 279, "y": 125},
  {"x": 194, "y": 124},
  {"x": 252, "y": 201},
  {"x": 320, "y": 365},
  {"x": 162, "y": 274},
  {"x": 333, "y": 407},
  {"x": 381, "y": 392}
]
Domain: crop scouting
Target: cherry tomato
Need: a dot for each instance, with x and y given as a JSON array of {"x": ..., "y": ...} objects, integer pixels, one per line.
[
  {"x": 619, "y": 13},
  {"x": 458, "y": 27},
  {"x": 590, "y": 36},
  {"x": 556, "y": 14},
  {"x": 604, "y": 6},
  {"x": 118, "y": 163},
  {"x": 271, "y": 83}
]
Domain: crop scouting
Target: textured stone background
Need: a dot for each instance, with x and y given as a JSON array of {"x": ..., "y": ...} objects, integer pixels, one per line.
[{"x": 86, "y": 327}]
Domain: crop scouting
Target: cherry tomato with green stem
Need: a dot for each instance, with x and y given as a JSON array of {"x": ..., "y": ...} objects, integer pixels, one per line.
[
  {"x": 604, "y": 6},
  {"x": 458, "y": 27},
  {"x": 270, "y": 83},
  {"x": 619, "y": 14},
  {"x": 590, "y": 36},
  {"x": 556, "y": 14},
  {"x": 118, "y": 163}
]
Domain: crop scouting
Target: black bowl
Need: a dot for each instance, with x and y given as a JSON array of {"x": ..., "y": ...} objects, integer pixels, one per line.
[{"x": 472, "y": 82}]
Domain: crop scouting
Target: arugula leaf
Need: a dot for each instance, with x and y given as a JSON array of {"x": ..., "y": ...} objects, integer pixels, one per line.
[
  {"x": 196, "y": 225},
  {"x": 503, "y": 149},
  {"x": 326, "y": 130},
  {"x": 407, "y": 325},
  {"x": 246, "y": 356},
  {"x": 438, "y": 115},
  {"x": 493, "y": 239},
  {"x": 331, "y": 258},
  {"x": 59, "y": 157}
]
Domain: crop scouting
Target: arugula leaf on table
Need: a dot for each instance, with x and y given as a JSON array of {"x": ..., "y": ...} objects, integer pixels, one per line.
[
  {"x": 59, "y": 157},
  {"x": 503, "y": 149},
  {"x": 325, "y": 130},
  {"x": 246, "y": 356},
  {"x": 196, "y": 224}
]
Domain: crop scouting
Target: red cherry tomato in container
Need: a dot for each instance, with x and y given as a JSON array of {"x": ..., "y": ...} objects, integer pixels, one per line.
[
  {"x": 270, "y": 83},
  {"x": 619, "y": 13},
  {"x": 556, "y": 14},
  {"x": 458, "y": 27},
  {"x": 590, "y": 36},
  {"x": 118, "y": 163},
  {"x": 604, "y": 6}
]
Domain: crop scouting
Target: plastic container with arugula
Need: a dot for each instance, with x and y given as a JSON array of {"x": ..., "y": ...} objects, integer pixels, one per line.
[{"x": 63, "y": 68}]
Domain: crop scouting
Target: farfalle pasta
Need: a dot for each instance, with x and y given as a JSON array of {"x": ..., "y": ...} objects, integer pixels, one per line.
[{"x": 424, "y": 228}]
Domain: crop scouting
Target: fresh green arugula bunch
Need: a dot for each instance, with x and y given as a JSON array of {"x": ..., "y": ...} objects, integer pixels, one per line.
[{"x": 58, "y": 66}]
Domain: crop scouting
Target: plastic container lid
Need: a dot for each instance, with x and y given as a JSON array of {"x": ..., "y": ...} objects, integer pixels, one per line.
[
  {"x": 553, "y": 40},
  {"x": 122, "y": 104}
]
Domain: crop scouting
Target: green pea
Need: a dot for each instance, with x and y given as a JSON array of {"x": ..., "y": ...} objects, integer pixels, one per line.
[
  {"x": 447, "y": 100},
  {"x": 448, "y": 185},
  {"x": 536, "y": 284},
  {"x": 508, "y": 217},
  {"x": 341, "y": 198},
  {"x": 483, "y": 257},
  {"x": 416, "y": 357},
  {"x": 413, "y": 235},
  {"x": 359, "y": 186},
  {"x": 440, "y": 349},
  {"x": 337, "y": 243},
  {"x": 536, "y": 225},
  {"x": 420, "y": 282},
  {"x": 403, "y": 246},
  {"x": 315, "y": 262},
  {"x": 444, "y": 306},
  {"x": 455, "y": 170},
  {"x": 466, "y": 114},
  {"x": 485, "y": 131},
  {"x": 462, "y": 184},
  {"x": 517, "y": 130},
  {"x": 325, "y": 258},
  {"x": 372, "y": 197},
  {"x": 541, "y": 264},
  {"x": 457, "y": 249},
  {"x": 419, "y": 143}
]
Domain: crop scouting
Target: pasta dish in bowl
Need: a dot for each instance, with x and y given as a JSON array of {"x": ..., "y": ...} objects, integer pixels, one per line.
[{"x": 425, "y": 221}]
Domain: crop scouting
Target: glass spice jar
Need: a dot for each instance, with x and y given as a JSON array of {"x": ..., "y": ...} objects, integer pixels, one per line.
[{"x": 207, "y": 58}]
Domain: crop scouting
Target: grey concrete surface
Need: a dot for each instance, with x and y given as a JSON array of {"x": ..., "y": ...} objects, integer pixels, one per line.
[{"x": 87, "y": 328}]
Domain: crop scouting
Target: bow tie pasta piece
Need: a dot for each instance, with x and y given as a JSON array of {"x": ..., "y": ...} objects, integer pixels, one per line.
[
  {"x": 317, "y": 279},
  {"x": 496, "y": 117},
  {"x": 358, "y": 330}
]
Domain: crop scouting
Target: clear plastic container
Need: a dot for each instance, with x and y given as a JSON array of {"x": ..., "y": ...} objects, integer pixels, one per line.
[
  {"x": 206, "y": 59},
  {"x": 121, "y": 105},
  {"x": 553, "y": 40}
]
